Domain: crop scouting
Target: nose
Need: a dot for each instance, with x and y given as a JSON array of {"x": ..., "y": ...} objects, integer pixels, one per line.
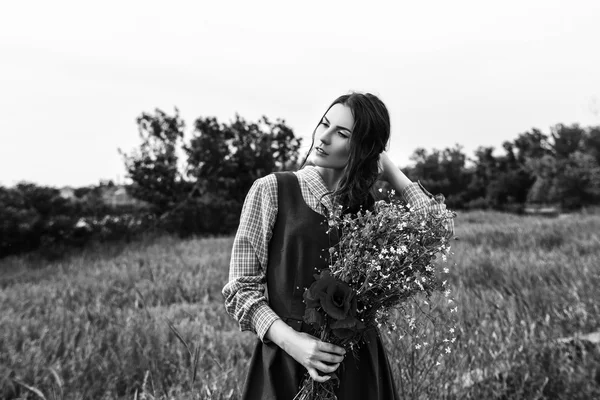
[{"x": 325, "y": 137}]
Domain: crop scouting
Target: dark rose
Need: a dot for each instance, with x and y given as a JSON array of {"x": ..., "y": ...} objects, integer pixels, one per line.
[
  {"x": 313, "y": 317},
  {"x": 334, "y": 296},
  {"x": 347, "y": 327},
  {"x": 337, "y": 300}
]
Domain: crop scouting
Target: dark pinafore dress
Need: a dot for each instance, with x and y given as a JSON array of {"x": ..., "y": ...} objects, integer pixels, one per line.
[{"x": 298, "y": 250}]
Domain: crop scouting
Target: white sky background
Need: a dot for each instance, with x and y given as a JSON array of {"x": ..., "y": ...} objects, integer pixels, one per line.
[{"x": 74, "y": 76}]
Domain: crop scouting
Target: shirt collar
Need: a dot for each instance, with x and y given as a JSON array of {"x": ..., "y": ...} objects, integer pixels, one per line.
[{"x": 316, "y": 186}]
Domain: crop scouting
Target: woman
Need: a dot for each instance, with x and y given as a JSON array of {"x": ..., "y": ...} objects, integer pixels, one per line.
[{"x": 282, "y": 242}]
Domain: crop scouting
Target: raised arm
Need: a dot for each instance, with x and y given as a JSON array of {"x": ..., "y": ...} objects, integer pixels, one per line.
[{"x": 412, "y": 192}]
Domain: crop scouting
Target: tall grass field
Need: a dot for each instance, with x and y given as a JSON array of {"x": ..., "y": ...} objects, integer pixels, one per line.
[{"x": 147, "y": 321}]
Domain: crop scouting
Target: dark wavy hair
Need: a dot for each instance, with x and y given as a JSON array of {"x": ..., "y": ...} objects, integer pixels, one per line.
[{"x": 370, "y": 135}]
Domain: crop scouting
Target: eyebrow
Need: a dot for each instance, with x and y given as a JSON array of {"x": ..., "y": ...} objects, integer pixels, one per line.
[{"x": 338, "y": 126}]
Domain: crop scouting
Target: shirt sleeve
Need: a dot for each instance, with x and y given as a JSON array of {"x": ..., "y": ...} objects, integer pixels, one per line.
[
  {"x": 244, "y": 292},
  {"x": 421, "y": 200}
]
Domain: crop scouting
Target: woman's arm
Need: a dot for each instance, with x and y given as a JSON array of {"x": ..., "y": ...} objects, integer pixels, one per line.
[
  {"x": 244, "y": 292},
  {"x": 392, "y": 174},
  {"x": 413, "y": 193}
]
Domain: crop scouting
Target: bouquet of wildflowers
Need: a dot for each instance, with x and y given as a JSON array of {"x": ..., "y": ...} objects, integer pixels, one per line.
[{"x": 384, "y": 258}]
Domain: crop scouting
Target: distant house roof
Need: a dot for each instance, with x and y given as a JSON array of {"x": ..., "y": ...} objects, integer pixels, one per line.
[
  {"x": 67, "y": 192},
  {"x": 118, "y": 196}
]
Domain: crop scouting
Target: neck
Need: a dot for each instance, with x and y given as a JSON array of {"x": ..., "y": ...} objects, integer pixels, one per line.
[{"x": 331, "y": 177}]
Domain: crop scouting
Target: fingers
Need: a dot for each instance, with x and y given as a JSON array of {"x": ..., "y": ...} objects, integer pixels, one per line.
[
  {"x": 331, "y": 348},
  {"x": 325, "y": 368},
  {"x": 330, "y": 358},
  {"x": 316, "y": 377},
  {"x": 317, "y": 356}
]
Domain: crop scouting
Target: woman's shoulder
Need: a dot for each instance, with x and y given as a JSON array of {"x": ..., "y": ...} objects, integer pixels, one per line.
[
  {"x": 267, "y": 180},
  {"x": 264, "y": 187},
  {"x": 270, "y": 181}
]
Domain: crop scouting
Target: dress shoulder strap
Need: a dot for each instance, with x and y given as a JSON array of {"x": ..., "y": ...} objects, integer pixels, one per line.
[{"x": 288, "y": 187}]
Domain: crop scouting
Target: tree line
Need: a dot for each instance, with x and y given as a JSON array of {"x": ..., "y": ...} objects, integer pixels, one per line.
[
  {"x": 560, "y": 168},
  {"x": 221, "y": 161},
  {"x": 197, "y": 186}
]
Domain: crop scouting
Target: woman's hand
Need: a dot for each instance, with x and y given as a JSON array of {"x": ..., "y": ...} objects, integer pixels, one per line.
[{"x": 313, "y": 354}]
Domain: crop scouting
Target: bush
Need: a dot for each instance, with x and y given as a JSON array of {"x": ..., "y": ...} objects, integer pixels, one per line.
[
  {"x": 201, "y": 216},
  {"x": 38, "y": 218}
]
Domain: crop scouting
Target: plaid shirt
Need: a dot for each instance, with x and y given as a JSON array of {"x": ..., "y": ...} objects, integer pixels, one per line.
[{"x": 244, "y": 293}]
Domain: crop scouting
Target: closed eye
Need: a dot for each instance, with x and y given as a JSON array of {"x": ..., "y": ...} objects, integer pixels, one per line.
[{"x": 343, "y": 133}]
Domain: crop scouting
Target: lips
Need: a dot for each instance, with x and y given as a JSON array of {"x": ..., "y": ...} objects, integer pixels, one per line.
[{"x": 321, "y": 151}]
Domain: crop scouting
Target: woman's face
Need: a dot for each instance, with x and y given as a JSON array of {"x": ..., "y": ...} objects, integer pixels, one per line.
[{"x": 333, "y": 138}]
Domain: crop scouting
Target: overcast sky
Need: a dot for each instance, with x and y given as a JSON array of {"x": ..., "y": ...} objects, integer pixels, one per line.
[{"x": 74, "y": 76}]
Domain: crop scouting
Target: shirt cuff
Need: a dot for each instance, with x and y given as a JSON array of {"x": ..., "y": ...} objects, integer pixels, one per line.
[
  {"x": 264, "y": 316},
  {"x": 414, "y": 193}
]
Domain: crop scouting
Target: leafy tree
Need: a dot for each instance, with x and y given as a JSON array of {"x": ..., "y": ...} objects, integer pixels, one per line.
[
  {"x": 518, "y": 180},
  {"x": 32, "y": 216},
  {"x": 154, "y": 166},
  {"x": 221, "y": 163},
  {"x": 579, "y": 181},
  {"x": 531, "y": 145},
  {"x": 18, "y": 219},
  {"x": 591, "y": 143},
  {"x": 568, "y": 172},
  {"x": 573, "y": 182},
  {"x": 225, "y": 159},
  {"x": 566, "y": 140},
  {"x": 228, "y": 158},
  {"x": 484, "y": 170},
  {"x": 499, "y": 182},
  {"x": 442, "y": 171}
]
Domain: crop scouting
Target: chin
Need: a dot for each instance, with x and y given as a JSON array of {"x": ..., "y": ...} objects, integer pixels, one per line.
[
  {"x": 315, "y": 160},
  {"x": 309, "y": 163},
  {"x": 319, "y": 163}
]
